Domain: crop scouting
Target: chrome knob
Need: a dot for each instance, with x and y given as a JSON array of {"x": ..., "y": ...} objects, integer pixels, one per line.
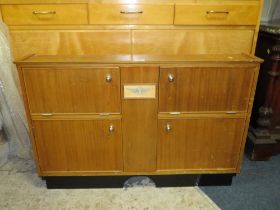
[
  {"x": 171, "y": 77},
  {"x": 168, "y": 128},
  {"x": 108, "y": 78},
  {"x": 111, "y": 128}
]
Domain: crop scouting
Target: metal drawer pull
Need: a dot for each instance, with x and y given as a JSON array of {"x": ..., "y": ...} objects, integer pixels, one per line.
[
  {"x": 131, "y": 13},
  {"x": 171, "y": 77},
  {"x": 217, "y": 12},
  {"x": 168, "y": 128},
  {"x": 108, "y": 78},
  {"x": 44, "y": 12},
  {"x": 111, "y": 128},
  {"x": 47, "y": 114},
  {"x": 231, "y": 112}
]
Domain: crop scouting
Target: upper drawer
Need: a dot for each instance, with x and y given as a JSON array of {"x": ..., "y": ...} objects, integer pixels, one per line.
[
  {"x": 73, "y": 89},
  {"x": 216, "y": 14},
  {"x": 205, "y": 89},
  {"x": 49, "y": 14},
  {"x": 131, "y": 14}
]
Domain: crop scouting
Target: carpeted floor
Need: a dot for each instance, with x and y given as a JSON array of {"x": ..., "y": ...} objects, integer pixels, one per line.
[
  {"x": 21, "y": 189},
  {"x": 257, "y": 187}
]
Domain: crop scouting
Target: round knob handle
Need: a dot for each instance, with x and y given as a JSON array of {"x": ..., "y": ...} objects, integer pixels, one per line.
[
  {"x": 171, "y": 77},
  {"x": 108, "y": 78},
  {"x": 111, "y": 128},
  {"x": 168, "y": 128}
]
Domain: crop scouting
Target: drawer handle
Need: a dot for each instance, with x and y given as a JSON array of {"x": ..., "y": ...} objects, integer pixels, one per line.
[
  {"x": 171, "y": 77},
  {"x": 46, "y": 114},
  {"x": 111, "y": 128},
  {"x": 168, "y": 128},
  {"x": 131, "y": 13},
  {"x": 108, "y": 78},
  {"x": 217, "y": 12},
  {"x": 44, "y": 12}
]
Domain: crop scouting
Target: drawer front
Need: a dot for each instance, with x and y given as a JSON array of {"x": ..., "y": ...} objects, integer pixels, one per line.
[
  {"x": 45, "y": 14},
  {"x": 79, "y": 145},
  {"x": 73, "y": 90},
  {"x": 216, "y": 14},
  {"x": 131, "y": 14},
  {"x": 192, "y": 89},
  {"x": 199, "y": 143}
]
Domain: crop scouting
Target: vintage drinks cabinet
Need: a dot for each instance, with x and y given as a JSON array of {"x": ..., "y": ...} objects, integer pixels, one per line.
[{"x": 118, "y": 87}]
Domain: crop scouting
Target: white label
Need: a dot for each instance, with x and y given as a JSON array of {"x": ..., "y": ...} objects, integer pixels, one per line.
[{"x": 139, "y": 91}]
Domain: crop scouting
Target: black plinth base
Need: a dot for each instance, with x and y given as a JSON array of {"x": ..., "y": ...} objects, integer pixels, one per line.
[{"x": 77, "y": 182}]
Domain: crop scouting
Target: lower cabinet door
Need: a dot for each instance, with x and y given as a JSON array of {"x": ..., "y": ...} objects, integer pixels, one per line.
[
  {"x": 199, "y": 144},
  {"x": 79, "y": 145}
]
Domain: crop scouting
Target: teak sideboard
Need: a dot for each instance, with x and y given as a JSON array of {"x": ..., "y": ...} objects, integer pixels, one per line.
[{"x": 143, "y": 88}]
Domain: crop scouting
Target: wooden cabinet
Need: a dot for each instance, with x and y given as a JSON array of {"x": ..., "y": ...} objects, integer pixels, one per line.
[
  {"x": 106, "y": 78},
  {"x": 78, "y": 145},
  {"x": 204, "y": 89},
  {"x": 178, "y": 116}
]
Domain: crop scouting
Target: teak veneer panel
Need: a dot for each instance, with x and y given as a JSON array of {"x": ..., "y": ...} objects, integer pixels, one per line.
[
  {"x": 199, "y": 143},
  {"x": 139, "y": 121},
  {"x": 205, "y": 89},
  {"x": 72, "y": 90},
  {"x": 76, "y": 145}
]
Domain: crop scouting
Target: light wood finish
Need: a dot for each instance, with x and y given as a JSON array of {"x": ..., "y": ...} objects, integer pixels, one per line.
[
  {"x": 199, "y": 143},
  {"x": 1, "y": 18},
  {"x": 216, "y": 14},
  {"x": 204, "y": 60},
  {"x": 131, "y": 14},
  {"x": 76, "y": 116},
  {"x": 72, "y": 90},
  {"x": 200, "y": 115},
  {"x": 139, "y": 122},
  {"x": 120, "y": 173},
  {"x": 238, "y": 2},
  {"x": 45, "y": 14},
  {"x": 79, "y": 145},
  {"x": 55, "y": 42},
  {"x": 205, "y": 89},
  {"x": 254, "y": 44},
  {"x": 187, "y": 42}
]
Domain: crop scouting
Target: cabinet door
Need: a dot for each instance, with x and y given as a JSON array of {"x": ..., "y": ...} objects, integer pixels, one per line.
[
  {"x": 76, "y": 145},
  {"x": 191, "y": 89},
  {"x": 199, "y": 143},
  {"x": 73, "y": 90}
]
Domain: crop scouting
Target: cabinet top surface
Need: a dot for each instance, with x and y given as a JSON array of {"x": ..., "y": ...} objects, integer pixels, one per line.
[
  {"x": 135, "y": 59},
  {"x": 120, "y": 1}
]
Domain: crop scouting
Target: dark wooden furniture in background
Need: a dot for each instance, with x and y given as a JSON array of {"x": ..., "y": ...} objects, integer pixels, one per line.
[{"x": 264, "y": 136}]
